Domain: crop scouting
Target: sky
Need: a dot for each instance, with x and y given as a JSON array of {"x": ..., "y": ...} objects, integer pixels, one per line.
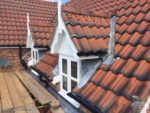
[{"x": 65, "y": 1}]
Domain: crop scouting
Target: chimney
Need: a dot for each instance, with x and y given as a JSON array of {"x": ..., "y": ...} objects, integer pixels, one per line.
[
  {"x": 112, "y": 35},
  {"x": 111, "y": 45}
]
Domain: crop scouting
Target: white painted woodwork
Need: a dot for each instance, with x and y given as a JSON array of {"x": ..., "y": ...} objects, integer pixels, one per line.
[
  {"x": 146, "y": 106},
  {"x": 29, "y": 42}
]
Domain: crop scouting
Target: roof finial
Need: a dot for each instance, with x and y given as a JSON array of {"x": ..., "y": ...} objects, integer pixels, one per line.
[
  {"x": 28, "y": 20},
  {"x": 59, "y": 5}
]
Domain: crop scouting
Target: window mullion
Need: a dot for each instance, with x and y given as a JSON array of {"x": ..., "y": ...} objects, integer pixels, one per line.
[{"x": 69, "y": 75}]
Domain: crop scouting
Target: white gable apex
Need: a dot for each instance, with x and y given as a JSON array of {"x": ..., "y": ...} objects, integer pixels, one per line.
[
  {"x": 65, "y": 47},
  {"x": 62, "y": 43},
  {"x": 29, "y": 42}
]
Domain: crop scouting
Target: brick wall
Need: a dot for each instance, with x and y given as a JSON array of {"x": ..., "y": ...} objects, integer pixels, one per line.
[{"x": 12, "y": 54}]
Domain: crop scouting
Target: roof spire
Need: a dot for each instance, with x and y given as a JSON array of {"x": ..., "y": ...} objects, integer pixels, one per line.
[
  {"x": 28, "y": 20},
  {"x": 29, "y": 37},
  {"x": 59, "y": 5}
]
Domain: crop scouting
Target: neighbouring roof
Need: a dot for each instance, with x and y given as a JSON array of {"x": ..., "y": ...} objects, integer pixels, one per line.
[
  {"x": 88, "y": 31},
  {"x": 103, "y": 6},
  {"x": 13, "y": 22},
  {"x": 112, "y": 86},
  {"x": 46, "y": 64},
  {"x": 15, "y": 95},
  {"x": 27, "y": 57}
]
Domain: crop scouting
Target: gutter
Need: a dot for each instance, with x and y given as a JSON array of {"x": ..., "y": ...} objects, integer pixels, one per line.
[
  {"x": 20, "y": 57},
  {"x": 55, "y": 93},
  {"x": 85, "y": 103},
  {"x": 41, "y": 74}
]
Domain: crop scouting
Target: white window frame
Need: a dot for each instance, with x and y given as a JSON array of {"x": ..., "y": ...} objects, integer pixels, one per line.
[
  {"x": 68, "y": 75},
  {"x": 35, "y": 55}
]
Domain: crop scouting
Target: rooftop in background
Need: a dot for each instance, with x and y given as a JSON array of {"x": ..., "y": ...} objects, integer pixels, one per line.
[
  {"x": 116, "y": 84},
  {"x": 13, "y": 22}
]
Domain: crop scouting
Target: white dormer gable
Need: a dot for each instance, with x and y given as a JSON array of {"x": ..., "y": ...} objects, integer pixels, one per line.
[
  {"x": 64, "y": 46},
  {"x": 62, "y": 43},
  {"x": 29, "y": 42},
  {"x": 74, "y": 70}
]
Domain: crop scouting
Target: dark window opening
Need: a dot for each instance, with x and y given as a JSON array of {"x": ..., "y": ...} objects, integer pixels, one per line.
[
  {"x": 73, "y": 84},
  {"x": 64, "y": 66},
  {"x": 65, "y": 83},
  {"x": 74, "y": 69},
  {"x": 4, "y": 62}
]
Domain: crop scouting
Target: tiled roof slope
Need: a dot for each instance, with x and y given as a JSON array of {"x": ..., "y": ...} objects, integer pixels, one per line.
[
  {"x": 27, "y": 57},
  {"x": 112, "y": 86},
  {"x": 90, "y": 34},
  {"x": 13, "y": 21},
  {"x": 97, "y": 5},
  {"x": 46, "y": 64}
]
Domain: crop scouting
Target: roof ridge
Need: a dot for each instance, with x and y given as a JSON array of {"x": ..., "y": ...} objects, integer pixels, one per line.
[{"x": 72, "y": 10}]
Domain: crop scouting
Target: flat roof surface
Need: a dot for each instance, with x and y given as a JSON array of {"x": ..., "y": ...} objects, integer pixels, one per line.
[{"x": 14, "y": 98}]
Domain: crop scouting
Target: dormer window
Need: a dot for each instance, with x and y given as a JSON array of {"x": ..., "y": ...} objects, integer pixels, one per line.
[
  {"x": 74, "y": 74},
  {"x": 70, "y": 76},
  {"x": 35, "y": 55}
]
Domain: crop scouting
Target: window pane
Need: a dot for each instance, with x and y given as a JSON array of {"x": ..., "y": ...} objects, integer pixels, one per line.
[
  {"x": 36, "y": 55},
  {"x": 73, "y": 84},
  {"x": 65, "y": 83},
  {"x": 33, "y": 54},
  {"x": 64, "y": 66},
  {"x": 74, "y": 69},
  {"x": 4, "y": 62}
]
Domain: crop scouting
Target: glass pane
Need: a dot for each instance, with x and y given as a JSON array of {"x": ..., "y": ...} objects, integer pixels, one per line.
[
  {"x": 73, "y": 84},
  {"x": 64, "y": 66},
  {"x": 4, "y": 62},
  {"x": 65, "y": 83},
  {"x": 74, "y": 69},
  {"x": 33, "y": 54},
  {"x": 36, "y": 55}
]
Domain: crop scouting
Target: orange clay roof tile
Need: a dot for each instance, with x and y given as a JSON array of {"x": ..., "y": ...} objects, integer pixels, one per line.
[
  {"x": 46, "y": 64},
  {"x": 87, "y": 32},
  {"x": 13, "y": 20},
  {"x": 112, "y": 86}
]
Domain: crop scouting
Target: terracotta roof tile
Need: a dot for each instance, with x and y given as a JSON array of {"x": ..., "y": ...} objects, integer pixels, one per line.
[
  {"x": 142, "y": 27},
  {"x": 132, "y": 27},
  {"x": 147, "y": 55},
  {"x": 98, "y": 76},
  {"x": 99, "y": 92},
  {"x": 131, "y": 88},
  {"x": 89, "y": 33},
  {"x": 143, "y": 70},
  {"x": 118, "y": 84},
  {"x": 126, "y": 51},
  {"x": 138, "y": 52},
  {"x": 117, "y": 65},
  {"x": 13, "y": 20},
  {"x": 107, "y": 101},
  {"x": 122, "y": 29},
  {"x": 46, "y": 64},
  {"x": 129, "y": 67},
  {"x": 135, "y": 39},
  {"x": 139, "y": 17},
  {"x": 146, "y": 39},
  {"x": 112, "y": 86},
  {"x": 27, "y": 57},
  {"x": 124, "y": 39},
  {"x": 120, "y": 105}
]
